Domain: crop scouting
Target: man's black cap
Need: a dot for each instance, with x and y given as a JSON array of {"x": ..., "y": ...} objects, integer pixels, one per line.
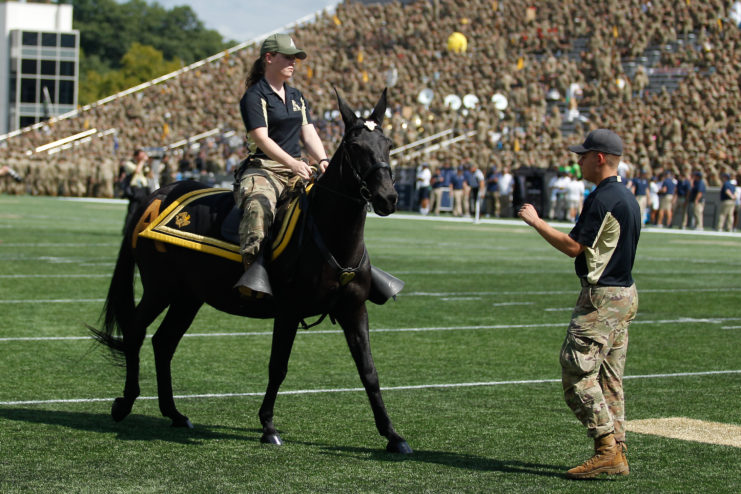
[{"x": 602, "y": 140}]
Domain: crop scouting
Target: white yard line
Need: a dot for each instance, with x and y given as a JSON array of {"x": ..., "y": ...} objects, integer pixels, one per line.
[
  {"x": 683, "y": 320},
  {"x": 20, "y": 276},
  {"x": 355, "y": 390},
  {"x": 420, "y": 294}
]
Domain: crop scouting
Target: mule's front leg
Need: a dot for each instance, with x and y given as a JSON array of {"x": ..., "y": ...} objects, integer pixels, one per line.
[
  {"x": 284, "y": 332},
  {"x": 355, "y": 326}
]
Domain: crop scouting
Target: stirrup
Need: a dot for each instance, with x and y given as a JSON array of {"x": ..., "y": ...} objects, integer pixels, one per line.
[
  {"x": 383, "y": 286},
  {"x": 255, "y": 279}
]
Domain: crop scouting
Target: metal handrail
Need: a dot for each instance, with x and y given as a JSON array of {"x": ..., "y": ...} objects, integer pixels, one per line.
[{"x": 171, "y": 75}]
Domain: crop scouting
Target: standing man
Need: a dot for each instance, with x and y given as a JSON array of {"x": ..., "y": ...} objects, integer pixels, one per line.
[
  {"x": 727, "y": 203},
  {"x": 491, "y": 197},
  {"x": 136, "y": 183},
  {"x": 438, "y": 186},
  {"x": 666, "y": 200},
  {"x": 640, "y": 187},
  {"x": 505, "y": 192},
  {"x": 424, "y": 175},
  {"x": 682, "y": 192},
  {"x": 476, "y": 185},
  {"x": 458, "y": 186},
  {"x": 604, "y": 242},
  {"x": 697, "y": 200}
]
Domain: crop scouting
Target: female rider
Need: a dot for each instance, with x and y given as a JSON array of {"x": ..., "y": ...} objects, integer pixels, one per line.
[{"x": 276, "y": 117}]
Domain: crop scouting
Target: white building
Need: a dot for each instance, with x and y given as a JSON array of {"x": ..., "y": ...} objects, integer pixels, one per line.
[{"x": 39, "y": 63}]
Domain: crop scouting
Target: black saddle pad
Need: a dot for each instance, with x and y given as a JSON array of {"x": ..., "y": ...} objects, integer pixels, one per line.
[{"x": 207, "y": 220}]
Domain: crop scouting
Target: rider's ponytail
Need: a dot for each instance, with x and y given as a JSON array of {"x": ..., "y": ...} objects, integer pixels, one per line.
[{"x": 256, "y": 72}]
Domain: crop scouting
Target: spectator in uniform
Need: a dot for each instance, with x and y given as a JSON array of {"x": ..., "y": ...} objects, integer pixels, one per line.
[
  {"x": 604, "y": 242},
  {"x": 136, "y": 183}
]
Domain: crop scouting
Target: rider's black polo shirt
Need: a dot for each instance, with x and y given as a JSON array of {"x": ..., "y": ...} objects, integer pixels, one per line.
[
  {"x": 262, "y": 107},
  {"x": 608, "y": 227}
]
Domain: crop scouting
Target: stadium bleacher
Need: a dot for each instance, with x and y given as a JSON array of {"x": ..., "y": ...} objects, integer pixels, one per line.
[{"x": 689, "y": 52}]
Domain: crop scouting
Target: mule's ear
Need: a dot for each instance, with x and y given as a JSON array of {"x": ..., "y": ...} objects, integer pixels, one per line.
[
  {"x": 380, "y": 110},
  {"x": 348, "y": 116}
]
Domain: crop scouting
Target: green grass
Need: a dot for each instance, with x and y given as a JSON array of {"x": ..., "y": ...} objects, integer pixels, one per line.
[{"x": 493, "y": 302}]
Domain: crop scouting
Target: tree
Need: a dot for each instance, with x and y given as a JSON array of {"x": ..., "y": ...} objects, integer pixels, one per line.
[
  {"x": 109, "y": 30},
  {"x": 140, "y": 64}
]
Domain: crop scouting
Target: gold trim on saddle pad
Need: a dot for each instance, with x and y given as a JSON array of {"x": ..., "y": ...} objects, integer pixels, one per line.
[{"x": 158, "y": 229}]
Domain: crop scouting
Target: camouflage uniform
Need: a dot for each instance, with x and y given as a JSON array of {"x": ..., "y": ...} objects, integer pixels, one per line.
[
  {"x": 260, "y": 186},
  {"x": 593, "y": 357}
]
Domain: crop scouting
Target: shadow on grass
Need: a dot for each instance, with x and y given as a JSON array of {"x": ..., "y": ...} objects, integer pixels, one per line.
[
  {"x": 133, "y": 428},
  {"x": 449, "y": 459}
]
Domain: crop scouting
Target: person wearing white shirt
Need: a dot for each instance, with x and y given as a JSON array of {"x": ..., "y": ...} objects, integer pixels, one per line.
[
  {"x": 424, "y": 175},
  {"x": 574, "y": 198},
  {"x": 505, "y": 192}
]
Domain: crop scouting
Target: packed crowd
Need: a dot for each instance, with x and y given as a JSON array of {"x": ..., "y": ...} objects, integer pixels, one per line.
[{"x": 556, "y": 63}]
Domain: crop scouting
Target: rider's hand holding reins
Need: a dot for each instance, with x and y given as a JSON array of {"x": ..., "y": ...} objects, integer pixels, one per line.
[{"x": 300, "y": 168}]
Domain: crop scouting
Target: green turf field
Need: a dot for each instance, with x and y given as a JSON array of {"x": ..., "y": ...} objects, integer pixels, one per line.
[{"x": 468, "y": 357}]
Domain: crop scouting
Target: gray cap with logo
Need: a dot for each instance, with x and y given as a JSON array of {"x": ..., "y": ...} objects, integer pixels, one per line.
[{"x": 281, "y": 43}]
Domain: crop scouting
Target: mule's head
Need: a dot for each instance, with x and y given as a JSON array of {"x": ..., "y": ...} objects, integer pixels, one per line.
[{"x": 366, "y": 151}]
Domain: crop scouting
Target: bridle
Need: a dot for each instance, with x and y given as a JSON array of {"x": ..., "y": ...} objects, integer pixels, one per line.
[{"x": 361, "y": 179}]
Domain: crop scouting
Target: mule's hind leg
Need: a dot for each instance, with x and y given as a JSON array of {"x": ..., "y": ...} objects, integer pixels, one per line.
[
  {"x": 284, "y": 332},
  {"x": 133, "y": 336},
  {"x": 354, "y": 323},
  {"x": 177, "y": 321}
]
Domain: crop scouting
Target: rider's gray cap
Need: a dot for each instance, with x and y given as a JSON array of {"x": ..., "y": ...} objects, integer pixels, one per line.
[{"x": 281, "y": 43}]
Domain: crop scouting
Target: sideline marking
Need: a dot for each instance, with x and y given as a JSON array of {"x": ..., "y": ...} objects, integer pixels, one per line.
[
  {"x": 688, "y": 429},
  {"x": 353, "y": 390},
  {"x": 14, "y": 276},
  {"x": 417, "y": 294},
  {"x": 54, "y": 301},
  {"x": 565, "y": 292},
  {"x": 564, "y": 324}
]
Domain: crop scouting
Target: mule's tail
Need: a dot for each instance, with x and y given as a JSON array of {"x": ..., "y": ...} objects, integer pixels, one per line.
[{"x": 118, "y": 310}]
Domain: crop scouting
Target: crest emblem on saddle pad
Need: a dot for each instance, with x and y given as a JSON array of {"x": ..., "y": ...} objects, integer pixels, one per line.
[
  {"x": 182, "y": 219},
  {"x": 346, "y": 277}
]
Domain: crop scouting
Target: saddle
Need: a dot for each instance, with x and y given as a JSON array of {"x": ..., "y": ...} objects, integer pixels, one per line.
[{"x": 207, "y": 220}]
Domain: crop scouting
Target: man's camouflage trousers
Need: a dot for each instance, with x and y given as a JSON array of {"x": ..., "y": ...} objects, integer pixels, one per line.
[
  {"x": 593, "y": 358},
  {"x": 260, "y": 187}
]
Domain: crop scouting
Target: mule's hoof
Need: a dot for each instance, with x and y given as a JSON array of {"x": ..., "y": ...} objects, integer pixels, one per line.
[
  {"x": 399, "y": 447},
  {"x": 271, "y": 439},
  {"x": 121, "y": 409},
  {"x": 182, "y": 422}
]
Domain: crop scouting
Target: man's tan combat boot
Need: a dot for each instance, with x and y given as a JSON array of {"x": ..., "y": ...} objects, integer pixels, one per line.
[
  {"x": 624, "y": 452},
  {"x": 608, "y": 458}
]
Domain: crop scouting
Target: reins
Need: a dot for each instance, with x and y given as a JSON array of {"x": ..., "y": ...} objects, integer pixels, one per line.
[{"x": 345, "y": 274}]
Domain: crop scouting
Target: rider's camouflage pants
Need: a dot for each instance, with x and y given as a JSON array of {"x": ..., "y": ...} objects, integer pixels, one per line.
[
  {"x": 260, "y": 187},
  {"x": 593, "y": 358}
]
